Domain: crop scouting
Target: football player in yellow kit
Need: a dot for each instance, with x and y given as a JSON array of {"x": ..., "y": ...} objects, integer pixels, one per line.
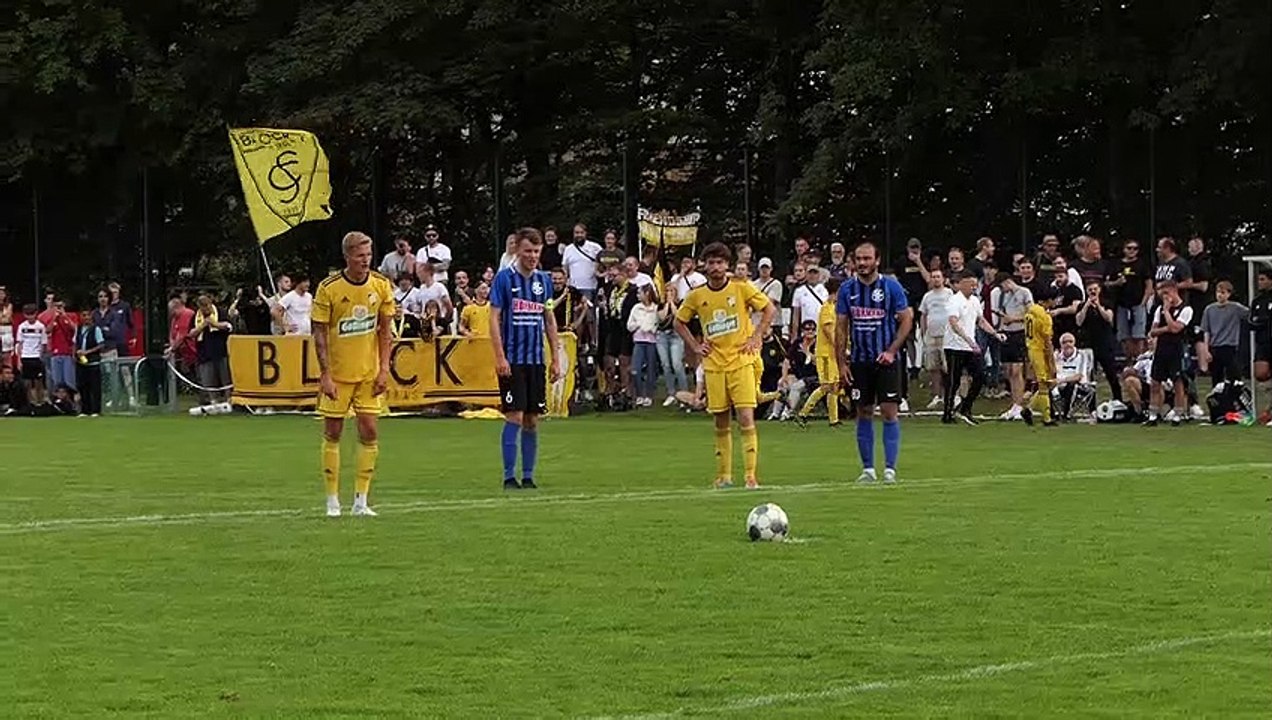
[
  {"x": 352, "y": 326},
  {"x": 729, "y": 350}
]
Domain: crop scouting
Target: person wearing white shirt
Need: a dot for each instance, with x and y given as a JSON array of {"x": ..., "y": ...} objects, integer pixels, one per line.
[
  {"x": 933, "y": 312},
  {"x": 965, "y": 314},
  {"x": 402, "y": 289},
  {"x": 809, "y": 295},
  {"x": 579, "y": 261},
  {"x": 1073, "y": 377},
  {"x": 631, "y": 268},
  {"x": 436, "y": 252},
  {"x": 429, "y": 289},
  {"x": 510, "y": 251},
  {"x": 688, "y": 278},
  {"x": 294, "y": 309},
  {"x": 400, "y": 261},
  {"x": 33, "y": 341},
  {"x": 767, "y": 284}
]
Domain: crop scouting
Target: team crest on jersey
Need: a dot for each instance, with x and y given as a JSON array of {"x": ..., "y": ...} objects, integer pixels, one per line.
[
  {"x": 537, "y": 288},
  {"x": 360, "y": 322},
  {"x": 877, "y": 294},
  {"x": 731, "y": 301},
  {"x": 721, "y": 323}
]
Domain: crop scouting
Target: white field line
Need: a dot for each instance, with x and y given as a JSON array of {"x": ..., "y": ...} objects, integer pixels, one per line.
[
  {"x": 506, "y": 502},
  {"x": 978, "y": 672}
]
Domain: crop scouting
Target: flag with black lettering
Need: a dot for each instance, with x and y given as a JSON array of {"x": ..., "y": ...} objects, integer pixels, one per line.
[{"x": 285, "y": 176}]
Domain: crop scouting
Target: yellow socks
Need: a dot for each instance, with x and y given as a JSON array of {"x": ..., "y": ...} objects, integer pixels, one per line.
[
  {"x": 750, "y": 451},
  {"x": 1041, "y": 402},
  {"x": 724, "y": 453},
  {"x": 832, "y": 407},
  {"x": 367, "y": 454},
  {"x": 813, "y": 398},
  {"x": 331, "y": 466}
]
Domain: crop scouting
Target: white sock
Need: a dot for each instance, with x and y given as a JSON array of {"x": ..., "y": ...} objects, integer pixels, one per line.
[
  {"x": 359, "y": 500},
  {"x": 333, "y": 501}
]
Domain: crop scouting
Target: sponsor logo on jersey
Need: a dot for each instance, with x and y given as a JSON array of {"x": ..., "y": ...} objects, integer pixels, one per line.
[
  {"x": 360, "y": 322},
  {"x": 864, "y": 313},
  {"x": 526, "y": 306},
  {"x": 721, "y": 323}
]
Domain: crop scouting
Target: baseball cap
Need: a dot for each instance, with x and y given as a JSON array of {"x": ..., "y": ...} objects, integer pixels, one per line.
[
  {"x": 765, "y": 262},
  {"x": 914, "y": 244}
]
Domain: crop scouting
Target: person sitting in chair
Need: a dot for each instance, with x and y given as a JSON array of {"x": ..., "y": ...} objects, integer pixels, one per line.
[{"x": 1073, "y": 379}]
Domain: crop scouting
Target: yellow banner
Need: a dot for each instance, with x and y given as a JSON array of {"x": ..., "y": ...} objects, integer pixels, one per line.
[
  {"x": 278, "y": 371},
  {"x": 666, "y": 229},
  {"x": 285, "y": 178}
]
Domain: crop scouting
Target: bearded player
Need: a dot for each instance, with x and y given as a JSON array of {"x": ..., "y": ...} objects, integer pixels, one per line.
[
  {"x": 729, "y": 350},
  {"x": 352, "y": 326}
]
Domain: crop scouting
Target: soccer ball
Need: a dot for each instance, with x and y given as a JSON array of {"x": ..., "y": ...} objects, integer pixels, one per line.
[{"x": 767, "y": 522}]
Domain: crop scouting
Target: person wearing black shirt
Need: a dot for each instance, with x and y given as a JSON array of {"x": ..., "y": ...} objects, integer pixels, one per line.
[
  {"x": 800, "y": 372},
  {"x": 252, "y": 309},
  {"x": 1064, "y": 315},
  {"x": 211, "y": 337},
  {"x": 1200, "y": 294},
  {"x": 551, "y": 255},
  {"x": 1027, "y": 277},
  {"x": 1170, "y": 266},
  {"x": 1045, "y": 260},
  {"x": 984, "y": 255},
  {"x": 1096, "y": 322},
  {"x": 1261, "y": 325},
  {"x": 13, "y": 395},
  {"x": 1132, "y": 287},
  {"x": 1170, "y": 326},
  {"x": 773, "y": 354},
  {"x": 1090, "y": 264}
]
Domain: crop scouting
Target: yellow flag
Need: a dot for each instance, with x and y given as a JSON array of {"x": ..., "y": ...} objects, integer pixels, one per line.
[{"x": 285, "y": 178}]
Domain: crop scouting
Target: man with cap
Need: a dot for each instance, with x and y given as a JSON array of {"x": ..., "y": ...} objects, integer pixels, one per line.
[
  {"x": 436, "y": 252},
  {"x": 767, "y": 284}
]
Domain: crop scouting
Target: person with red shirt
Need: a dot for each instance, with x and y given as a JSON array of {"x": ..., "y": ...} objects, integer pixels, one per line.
[
  {"x": 61, "y": 329},
  {"x": 181, "y": 346}
]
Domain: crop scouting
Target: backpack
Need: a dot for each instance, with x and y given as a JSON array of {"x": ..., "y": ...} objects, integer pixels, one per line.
[{"x": 1229, "y": 402}]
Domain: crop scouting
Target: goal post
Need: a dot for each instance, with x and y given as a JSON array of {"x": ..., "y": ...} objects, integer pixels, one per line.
[{"x": 1253, "y": 264}]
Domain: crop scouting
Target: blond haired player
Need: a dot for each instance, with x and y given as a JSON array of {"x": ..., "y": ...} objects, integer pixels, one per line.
[
  {"x": 1038, "y": 331},
  {"x": 352, "y": 326},
  {"x": 728, "y": 350}
]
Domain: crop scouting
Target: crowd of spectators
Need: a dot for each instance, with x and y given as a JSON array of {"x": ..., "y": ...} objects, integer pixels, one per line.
[{"x": 1102, "y": 309}]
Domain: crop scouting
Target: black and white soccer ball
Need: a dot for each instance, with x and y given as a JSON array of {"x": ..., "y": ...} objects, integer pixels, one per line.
[{"x": 767, "y": 522}]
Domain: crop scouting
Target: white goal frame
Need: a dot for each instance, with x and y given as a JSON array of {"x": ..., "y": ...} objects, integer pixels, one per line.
[{"x": 1253, "y": 262}]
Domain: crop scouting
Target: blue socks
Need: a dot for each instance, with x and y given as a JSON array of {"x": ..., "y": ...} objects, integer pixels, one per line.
[
  {"x": 529, "y": 452},
  {"x": 891, "y": 442},
  {"x": 510, "y": 433},
  {"x": 865, "y": 442}
]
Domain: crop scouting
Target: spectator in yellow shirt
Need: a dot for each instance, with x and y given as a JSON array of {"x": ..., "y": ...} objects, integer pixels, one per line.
[{"x": 474, "y": 321}]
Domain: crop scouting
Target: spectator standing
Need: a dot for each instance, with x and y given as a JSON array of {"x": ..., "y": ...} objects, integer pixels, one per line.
[
  {"x": 956, "y": 263},
  {"x": 984, "y": 255},
  {"x": 294, "y": 309},
  {"x": 253, "y": 313},
  {"x": 429, "y": 290},
  {"x": 1069, "y": 299},
  {"x": 432, "y": 323},
  {"x": 808, "y": 297},
  {"x": 962, "y": 354},
  {"x": 181, "y": 346},
  {"x": 402, "y": 290},
  {"x": 1200, "y": 292},
  {"x": 1170, "y": 327},
  {"x": 767, "y": 284},
  {"x": 745, "y": 255},
  {"x": 1089, "y": 264},
  {"x": 671, "y": 347},
  {"x": 689, "y": 278},
  {"x": 509, "y": 257},
  {"x": 474, "y": 320},
  {"x": 400, "y": 261},
  {"x": 211, "y": 337},
  {"x": 839, "y": 266},
  {"x": 7, "y": 337},
  {"x": 934, "y": 313},
  {"x": 631, "y": 268},
  {"x": 1221, "y": 324},
  {"x": 89, "y": 341},
  {"x": 123, "y": 312},
  {"x": 1261, "y": 326},
  {"x": 579, "y": 261},
  {"x": 642, "y": 323},
  {"x": 33, "y": 341},
  {"x": 436, "y": 251},
  {"x": 115, "y": 319},
  {"x": 572, "y": 310},
  {"x": 1048, "y": 252},
  {"x": 1008, "y": 304},
  {"x": 61, "y": 334},
  {"x": 611, "y": 255},
  {"x": 1028, "y": 278},
  {"x": 1170, "y": 266},
  {"x": 550, "y": 258},
  {"x": 1096, "y": 322},
  {"x": 1132, "y": 283},
  {"x": 282, "y": 286},
  {"x": 462, "y": 294}
]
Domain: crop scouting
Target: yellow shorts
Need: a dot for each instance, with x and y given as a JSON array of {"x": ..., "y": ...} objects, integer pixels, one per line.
[
  {"x": 732, "y": 389},
  {"x": 1038, "y": 361},
  {"x": 360, "y": 396},
  {"x": 827, "y": 370}
]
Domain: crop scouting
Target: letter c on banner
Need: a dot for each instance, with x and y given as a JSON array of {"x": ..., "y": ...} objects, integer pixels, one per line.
[{"x": 393, "y": 364}]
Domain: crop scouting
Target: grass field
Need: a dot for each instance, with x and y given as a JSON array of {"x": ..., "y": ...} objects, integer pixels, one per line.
[{"x": 178, "y": 567}]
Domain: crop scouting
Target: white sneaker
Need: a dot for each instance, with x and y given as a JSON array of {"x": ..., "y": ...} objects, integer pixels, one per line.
[
  {"x": 333, "y": 511},
  {"x": 867, "y": 476},
  {"x": 889, "y": 476},
  {"x": 1173, "y": 418},
  {"x": 363, "y": 511},
  {"x": 671, "y": 400},
  {"x": 1196, "y": 413},
  {"x": 1013, "y": 413},
  {"x": 904, "y": 406},
  {"x": 958, "y": 400},
  {"x": 936, "y": 403}
]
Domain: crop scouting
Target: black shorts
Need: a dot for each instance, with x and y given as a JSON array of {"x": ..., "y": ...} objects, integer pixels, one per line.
[
  {"x": 32, "y": 369},
  {"x": 873, "y": 383},
  {"x": 525, "y": 390},
  {"x": 1012, "y": 349},
  {"x": 1263, "y": 350},
  {"x": 1167, "y": 366}
]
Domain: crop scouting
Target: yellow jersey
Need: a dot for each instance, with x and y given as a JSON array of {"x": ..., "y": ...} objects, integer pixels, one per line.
[
  {"x": 476, "y": 318},
  {"x": 826, "y": 329},
  {"x": 350, "y": 313},
  {"x": 1038, "y": 328},
  {"x": 725, "y": 315}
]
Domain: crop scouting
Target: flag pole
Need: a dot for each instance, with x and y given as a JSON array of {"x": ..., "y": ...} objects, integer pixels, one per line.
[{"x": 268, "y": 272}]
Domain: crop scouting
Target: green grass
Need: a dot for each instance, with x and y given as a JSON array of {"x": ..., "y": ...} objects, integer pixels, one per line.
[{"x": 1093, "y": 587}]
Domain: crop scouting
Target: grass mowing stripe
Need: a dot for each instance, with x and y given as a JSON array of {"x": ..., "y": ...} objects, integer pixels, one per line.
[
  {"x": 971, "y": 673},
  {"x": 53, "y": 524}
]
